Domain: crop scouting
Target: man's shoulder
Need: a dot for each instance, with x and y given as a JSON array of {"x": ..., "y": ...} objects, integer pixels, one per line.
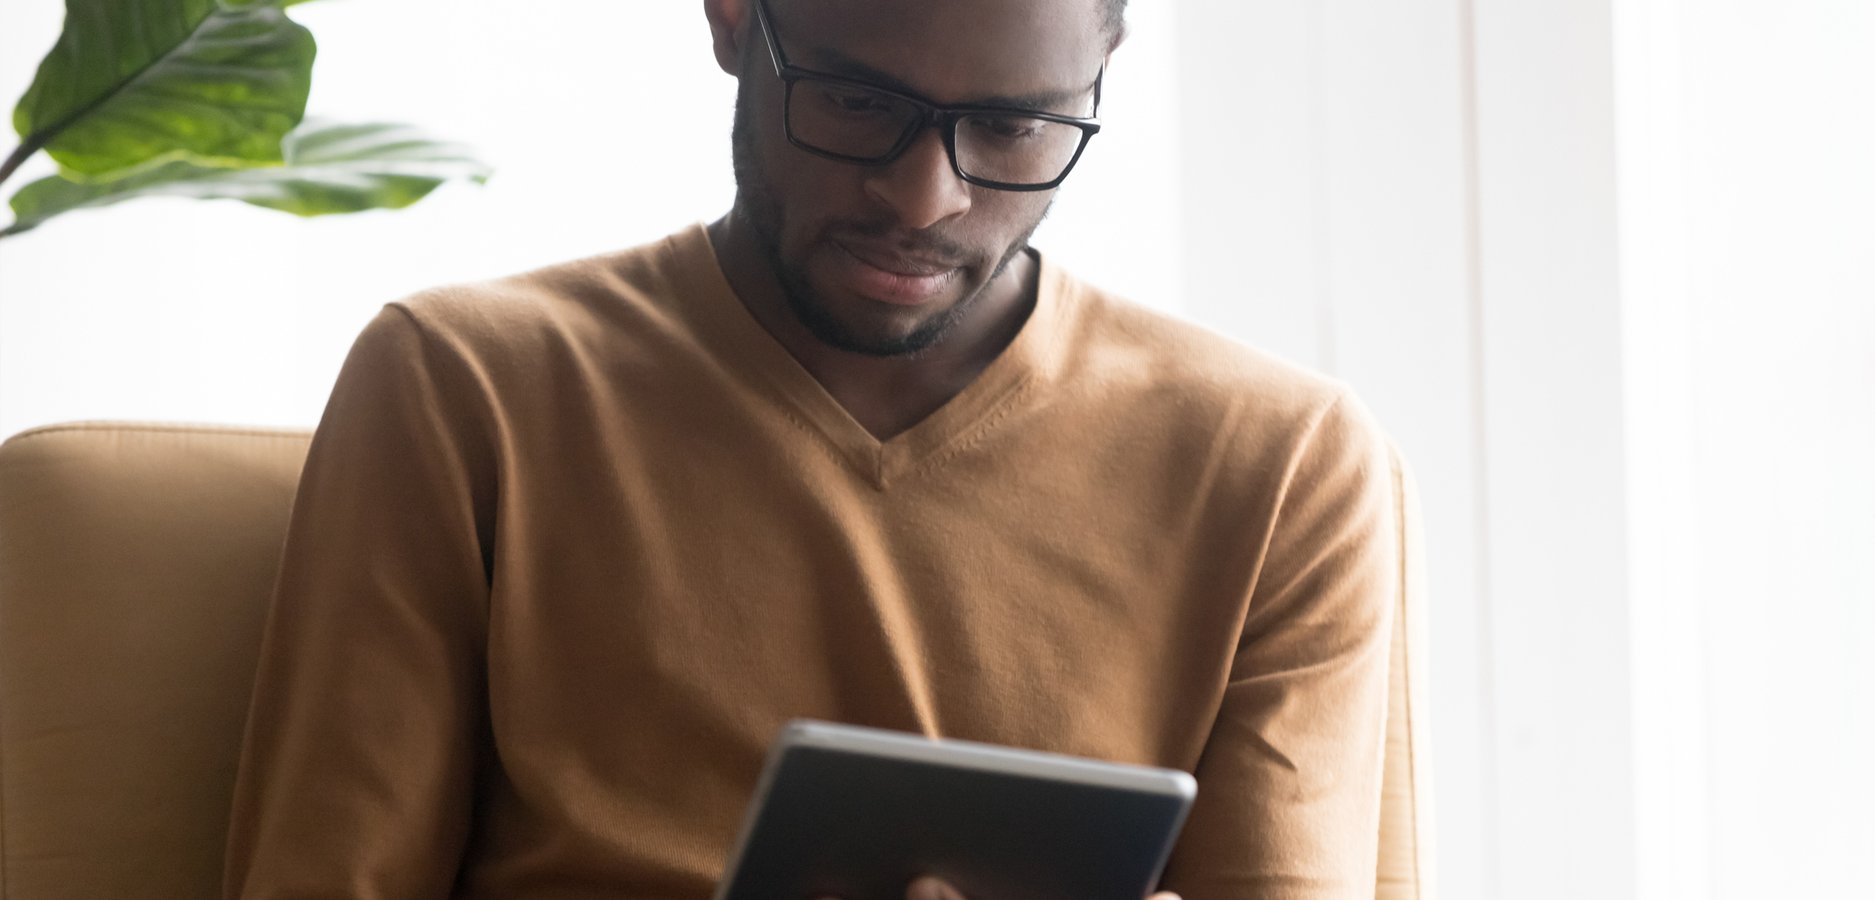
[
  {"x": 1214, "y": 401},
  {"x": 1129, "y": 348},
  {"x": 613, "y": 295}
]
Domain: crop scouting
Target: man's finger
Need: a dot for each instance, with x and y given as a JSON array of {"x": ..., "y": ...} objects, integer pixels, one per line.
[{"x": 1163, "y": 895}]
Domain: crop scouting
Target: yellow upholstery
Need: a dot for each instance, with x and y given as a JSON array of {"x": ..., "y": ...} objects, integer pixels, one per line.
[
  {"x": 135, "y": 567},
  {"x": 1405, "y": 871}
]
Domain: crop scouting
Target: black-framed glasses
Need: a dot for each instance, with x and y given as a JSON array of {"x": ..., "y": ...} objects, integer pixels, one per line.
[{"x": 849, "y": 120}]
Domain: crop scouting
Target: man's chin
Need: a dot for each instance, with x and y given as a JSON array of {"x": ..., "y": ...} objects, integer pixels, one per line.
[{"x": 893, "y": 337}]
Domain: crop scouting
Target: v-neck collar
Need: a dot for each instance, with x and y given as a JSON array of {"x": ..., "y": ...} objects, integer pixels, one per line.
[{"x": 744, "y": 344}]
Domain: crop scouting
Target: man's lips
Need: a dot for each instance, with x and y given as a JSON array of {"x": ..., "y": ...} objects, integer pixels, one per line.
[{"x": 889, "y": 276}]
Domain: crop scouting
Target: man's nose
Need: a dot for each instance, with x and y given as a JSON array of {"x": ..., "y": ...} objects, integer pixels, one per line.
[{"x": 920, "y": 186}]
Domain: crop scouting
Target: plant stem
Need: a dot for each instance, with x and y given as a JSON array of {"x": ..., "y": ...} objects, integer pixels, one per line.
[
  {"x": 13, "y": 161},
  {"x": 19, "y": 156}
]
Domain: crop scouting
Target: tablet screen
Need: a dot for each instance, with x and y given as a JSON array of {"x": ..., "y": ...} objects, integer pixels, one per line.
[{"x": 859, "y": 813}]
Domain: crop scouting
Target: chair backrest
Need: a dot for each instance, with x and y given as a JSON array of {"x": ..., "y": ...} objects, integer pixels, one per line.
[
  {"x": 1405, "y": 871},
  {"x": 136, "y": 562}
]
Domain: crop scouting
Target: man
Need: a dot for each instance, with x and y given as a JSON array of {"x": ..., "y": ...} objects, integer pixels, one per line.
[{"x": 571, "y": 546}]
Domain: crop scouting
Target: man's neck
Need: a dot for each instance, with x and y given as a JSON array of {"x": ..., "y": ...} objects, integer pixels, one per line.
[{"x": 887, "y": 395}]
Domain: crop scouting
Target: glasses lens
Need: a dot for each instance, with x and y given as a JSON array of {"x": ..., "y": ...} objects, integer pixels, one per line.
[
  {"x": 1015, "y": 149},
  {"x": 847, "y": 120}
]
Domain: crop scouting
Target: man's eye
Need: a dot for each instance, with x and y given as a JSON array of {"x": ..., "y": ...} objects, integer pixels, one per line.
[
  {"x": 855, "y": 101},
  {"x": 1010, "y": 129}
]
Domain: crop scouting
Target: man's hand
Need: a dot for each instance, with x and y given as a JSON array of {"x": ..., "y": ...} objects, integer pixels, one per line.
[{"x": 928, "y": 888}]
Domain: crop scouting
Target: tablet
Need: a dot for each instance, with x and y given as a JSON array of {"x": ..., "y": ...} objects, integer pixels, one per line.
[{"x": 858, "y": 813}]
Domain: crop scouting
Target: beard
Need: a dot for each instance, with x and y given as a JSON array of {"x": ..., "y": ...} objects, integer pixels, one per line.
[{"x": 758, "y": 208}]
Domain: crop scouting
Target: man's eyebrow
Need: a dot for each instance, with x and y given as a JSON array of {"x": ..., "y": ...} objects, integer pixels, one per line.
[{"x": 833, "y": 62}]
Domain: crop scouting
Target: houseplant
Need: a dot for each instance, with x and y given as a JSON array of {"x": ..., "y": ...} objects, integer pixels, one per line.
[{"x": 205, "y": 99}]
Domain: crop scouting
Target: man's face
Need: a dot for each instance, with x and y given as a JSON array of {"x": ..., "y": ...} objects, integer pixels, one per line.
[{"x": 884, "y": 259}]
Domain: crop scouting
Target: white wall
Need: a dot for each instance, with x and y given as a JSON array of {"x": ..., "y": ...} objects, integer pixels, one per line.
[
  {"x": 1777, "y": 148},
  {"x": 1556, "y": 473}
]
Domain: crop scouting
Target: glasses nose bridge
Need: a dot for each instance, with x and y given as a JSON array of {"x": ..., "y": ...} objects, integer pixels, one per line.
[
  {"x": 929, "y": 116},
  {"x": 932, "y": 117}
]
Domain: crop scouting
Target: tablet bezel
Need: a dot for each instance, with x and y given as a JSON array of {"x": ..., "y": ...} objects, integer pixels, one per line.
[
  {"x": 985, "y": 757},
  {"x": 954, "y": 752}
]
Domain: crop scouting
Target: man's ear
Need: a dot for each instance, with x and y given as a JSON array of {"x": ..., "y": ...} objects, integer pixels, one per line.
[
  {"x": 1118, "y": 38},
  {"x": 729, "y": 20}
]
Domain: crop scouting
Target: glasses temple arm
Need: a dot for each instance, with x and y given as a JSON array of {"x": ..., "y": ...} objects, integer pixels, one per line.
[{"x": 774, "y": 46}]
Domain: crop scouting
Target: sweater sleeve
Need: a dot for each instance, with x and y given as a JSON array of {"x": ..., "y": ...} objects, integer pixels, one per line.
[
  {"x": 1289, "y": 783},
  {"x": 358, "y": 771}
]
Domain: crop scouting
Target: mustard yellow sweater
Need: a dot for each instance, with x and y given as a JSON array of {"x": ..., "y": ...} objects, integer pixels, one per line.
[{"x": 571, "y": 546}]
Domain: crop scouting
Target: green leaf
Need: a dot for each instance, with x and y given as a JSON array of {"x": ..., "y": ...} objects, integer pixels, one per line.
[
  {"x": 330, "y": 168},
  {"x": 135, "y": 83}
]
